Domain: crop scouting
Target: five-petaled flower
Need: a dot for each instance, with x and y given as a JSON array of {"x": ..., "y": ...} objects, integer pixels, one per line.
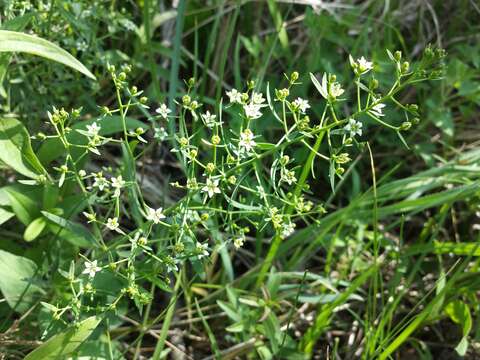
[
  {"x": 209, "y": 119},
  {"x": 234, "y": 96},
  {"x": 361, "y": 66},
  {"x": 354, "y": 127},
  {"x": 211, "y": 187},
  {"x": 201, "y": 250},
  {"x": 155, "y": 215},
  {"x": 112, "y": 224},
  {"x": 246, "y": 140},
  {"x": 163, "y": 110},
  {"x": 252, "y": 110},
  {"x": 93, "y": 129},
  {"x": 301, "y": 104},
  {"x": 91, "y": 268}
]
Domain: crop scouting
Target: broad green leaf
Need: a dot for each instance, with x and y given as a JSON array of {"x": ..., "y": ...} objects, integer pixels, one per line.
[
  {"x": 12, "y": 41},
  {"x": 34, "y": 229},
  {"x": 460, "y": 314},
  {"x": 73, "y": 232},
  {"x": 16, "y": 24},
  {"x": 17, "y": 150},
  {"x": 16, "y": 282},
  {"x": 22, "y": 202},
  {"x": 62, "y": 345}
]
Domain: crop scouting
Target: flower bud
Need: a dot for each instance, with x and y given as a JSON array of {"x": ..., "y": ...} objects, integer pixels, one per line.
[
  {"x": 143, "y": 100},
  {"x": 122, "y": 76},
  {"x": 186, "y": 100},
  {"x": 191, "y": 82},
  {"x": 405, "y": 126},
  {"x": 294, "y": 76},
  {"x": 398, "y": 55},
  {"x": 216, "y": 139},
  {"x": 405, "y": 67},
  {"x": 210, "y": 168}
]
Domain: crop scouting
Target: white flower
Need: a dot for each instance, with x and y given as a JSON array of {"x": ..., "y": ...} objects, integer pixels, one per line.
[
  {"x": 117, "y": 184},
  {"x": 82, "y": 173},
  {"x": 201, "y": 250},
  {"x": 91, "y": 268},
  {"x": 211, "y": 187},
  {"x": 354, "y": 127},
  {"x": 235, "y": 96},
  {"x": 163, "y": 110},
  {"x": 257, "y": 98},
  {"x": 377, "y": 110},
  {"x": 100, "y": 182},
  {"x": 361, "y": 66},
  {"x": 209, "y": 119},
  {"x": 246, "y": 140},
  {"x": 252, "y": 111},
  {"x": 289, "y": 177},
  {"x": 335, "y": 90},
  {"x": 92, "y": 130},
  {"x": 155, "y": 215},
  {"x": 239, "y": 241},
  {"x": 171, "y": 263},
  {"x": 112, "y": 224},
  {"x": 301, "y": 104},
  {"x": 287, "y": 229}
]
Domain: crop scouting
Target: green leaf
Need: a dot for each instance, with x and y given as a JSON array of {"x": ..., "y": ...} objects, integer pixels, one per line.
[
  {"x": 22, "y": 202},
  {"x": 17, "y": 150},
  {"x": 12, "y": 41},
  {"x": 74, "y": 233},
  {"x": 64, "y": 344},
  {"x": 34, "y": 229},
  {"x": 460, "y": 314},
  {"x": 16, "y": 281}
]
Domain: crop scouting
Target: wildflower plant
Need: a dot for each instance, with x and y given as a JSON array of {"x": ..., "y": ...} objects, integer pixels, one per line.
[{"x": 236, "y": 182}]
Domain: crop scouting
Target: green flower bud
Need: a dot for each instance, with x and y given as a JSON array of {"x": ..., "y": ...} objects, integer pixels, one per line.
[
  {"x": 186, "y": 100},
  {"x": 294, "y": 76},
  {"x": 405, "y": 126},
  {"x": 398, "y": 55},
  {"x": 122, "y": 76},
  {"x": 216, "y": 139}
]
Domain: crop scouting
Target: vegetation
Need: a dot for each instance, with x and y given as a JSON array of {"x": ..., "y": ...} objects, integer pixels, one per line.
[{"x": 232, "y": 179}]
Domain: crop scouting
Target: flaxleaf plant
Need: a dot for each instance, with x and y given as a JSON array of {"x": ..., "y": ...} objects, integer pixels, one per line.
[{"x": 240, "y": 183}]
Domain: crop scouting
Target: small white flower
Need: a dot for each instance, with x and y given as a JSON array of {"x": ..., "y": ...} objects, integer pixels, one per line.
[
  {"x": 171, "y": 263},
  {"x": 201, "y": 250},
  {"x": 335, "y": 90},
  {"x": 301, "y": 104},
  {"x": 246, "y": 140},
  {"x": 287, "y": 229},
  {"x": 117, "y": 184},
  {"x": 163, "y": 110},
  {"x": 257, "y": 98},
  {"x": 252, "y": 111},
  {"x": 377, "y": 110},
  {"x": 91, "y": 268},
  {"x": 93, "y": 129},
  {"x": 112, "y": 224},
  {"x": 235, "y": 96},
  {"x": 354, "y": 127},
  {"x": 209, "y": 119},
  {"x": 211, "y": 187},
  {"x": 361, "y": 66},
  {"x": 155, "y": 215},
  {"x": 239, "y": 241},
  {"x": 289, "y": 177},
  {"x": 100, "y": 182}
]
